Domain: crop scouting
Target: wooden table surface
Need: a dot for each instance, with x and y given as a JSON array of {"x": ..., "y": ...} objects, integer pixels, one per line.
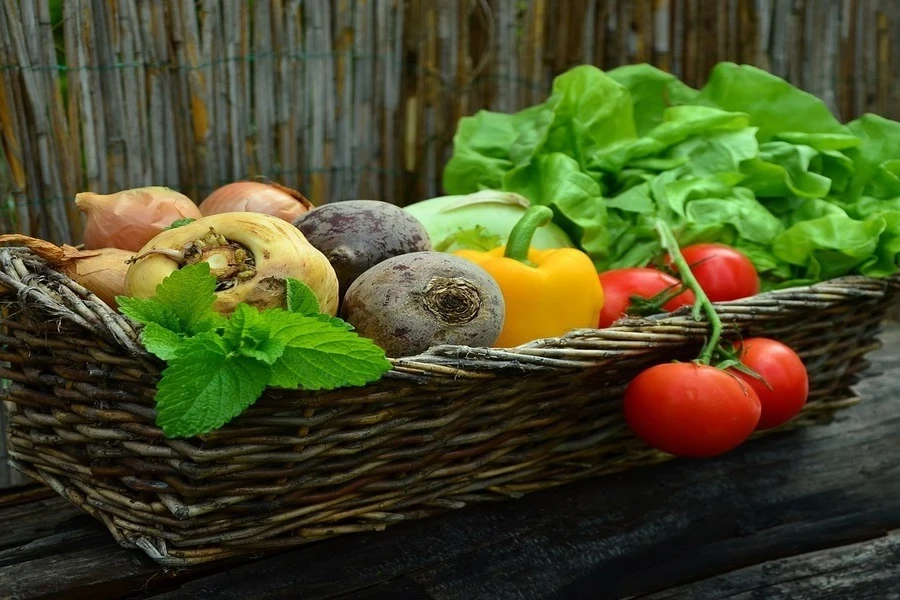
[{"x": 810, "y": 514}]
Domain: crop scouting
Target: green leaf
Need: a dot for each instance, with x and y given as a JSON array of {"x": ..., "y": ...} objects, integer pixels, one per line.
[
  {"x": 149, "y": 310},
  {"x": 749, "y": 160},
  {"x": 783, "y": 169},
  {"x": 775, "y": 106},
  {"x": 180, "y": 223},
  {"x": 556, "y": 180},
  {"x": 823, "y": 142},
  {"x": 324, "y": 354},
  {"x": 190, "y": 293},
  {"x": 205, "y": 386},
  {"x": 300, "y": 298},
  {"x": 592, "y": 112},
  {"x": 161, "y": 341},
  {"x": 652, "y": 92},
  {"x": 251, "y": 333},
  {"x": 740, "y": 212},
  {"x": 829, "y": 246},
  {"x": 183, "y": 302},
  {"x": 488, "y": 144},
  {"x": 880, "y": 142},
  {"x": 886, "y": 257},
  {"x": 718, "y": 152},
  {"x": 638, "y": 199}
]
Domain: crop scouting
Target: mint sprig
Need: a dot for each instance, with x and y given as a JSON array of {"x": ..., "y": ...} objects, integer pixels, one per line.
[
  {"x": 219, "y": 366},
  {"x": 300, "y": 298},
  {"x": 183, "y": 303}
]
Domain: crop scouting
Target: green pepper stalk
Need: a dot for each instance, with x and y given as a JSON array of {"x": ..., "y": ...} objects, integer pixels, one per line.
[{"x": 519, "y": 241}]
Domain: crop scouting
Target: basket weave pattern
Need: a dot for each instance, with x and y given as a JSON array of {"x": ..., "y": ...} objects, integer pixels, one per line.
[{"x": 449, "y": 427}]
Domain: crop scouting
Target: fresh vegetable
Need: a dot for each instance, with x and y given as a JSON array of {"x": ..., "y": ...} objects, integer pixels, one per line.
[
  {"x": 358, "y": 234},
  {"x": 782, "y": 383},
  {"x": 218, "y": 366},
  {"x": 409, "y": 303},
  {"x": 130, "y": 218},
  {"x": 748, "y": 161},
  {"x": 547, "y": 292},
  {"x": 251, "y": 255},
  {"x": 691, "y": 410},
  {"x": 100, "y": 271},
  {"x": 658, "y": 291},
  {"x": 723, "y": 272},
  {"x": 256, "y": 196},
  {"x": 481, "y": 220}
]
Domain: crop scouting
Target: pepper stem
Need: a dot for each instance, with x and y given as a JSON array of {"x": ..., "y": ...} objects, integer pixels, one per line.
[
  {"x": 670, "y": 244},
  {"x": 519, "y": 241}
]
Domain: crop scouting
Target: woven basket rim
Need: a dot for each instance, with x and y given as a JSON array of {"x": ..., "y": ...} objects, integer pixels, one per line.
[
  {"x": 576, "y": 349},
  {"x": 437, "y": 434}
]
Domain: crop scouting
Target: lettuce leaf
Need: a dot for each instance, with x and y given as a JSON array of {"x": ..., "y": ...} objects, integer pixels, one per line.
[{"x": 748, "y": 160}]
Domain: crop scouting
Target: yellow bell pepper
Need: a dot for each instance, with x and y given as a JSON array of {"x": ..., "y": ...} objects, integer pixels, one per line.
[{"x": 547, "y": 292}]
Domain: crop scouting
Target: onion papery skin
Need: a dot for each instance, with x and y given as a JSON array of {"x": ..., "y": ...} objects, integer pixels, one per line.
[
  {"x": 254, "y": 196},
  {"x": 130, "y": 218}
]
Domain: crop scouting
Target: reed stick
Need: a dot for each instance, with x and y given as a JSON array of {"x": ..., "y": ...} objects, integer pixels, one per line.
[{"x": 350, "y": 99}]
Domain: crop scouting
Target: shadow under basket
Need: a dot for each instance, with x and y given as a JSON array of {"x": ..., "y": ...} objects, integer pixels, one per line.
[{"x": 443, "y": 429}]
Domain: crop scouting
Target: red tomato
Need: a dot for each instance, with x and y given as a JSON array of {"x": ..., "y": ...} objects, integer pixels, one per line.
[
  {"x": 723, "y": 272},
  {"x": 785, "y": 373},
  {"x": 687, "y": 409},
  {"x": 619, "y": 285}
]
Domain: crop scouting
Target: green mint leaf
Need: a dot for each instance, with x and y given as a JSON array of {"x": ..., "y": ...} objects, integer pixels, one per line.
[
  {"x": 180, "y": 223},
  {"x": 335, "y": 322},
  {"x": 161, "y": 341},
  {"x": 149, "y": 310},
  {"x": 190, "y": 293},
  {"x": 206, "y": 386},
  {"x": 253, "y": 334},
  {"x": 300, "y": 298},
  {"x": 325, "y": 354},
  {"x": 183, "y": 302}
]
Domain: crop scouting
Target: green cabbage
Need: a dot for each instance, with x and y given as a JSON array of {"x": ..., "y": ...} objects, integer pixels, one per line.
[{"x": 480, "y": 221}]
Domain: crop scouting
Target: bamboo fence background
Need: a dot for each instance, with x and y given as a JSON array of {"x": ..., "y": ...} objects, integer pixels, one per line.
[{"x": 357, "y": 98}]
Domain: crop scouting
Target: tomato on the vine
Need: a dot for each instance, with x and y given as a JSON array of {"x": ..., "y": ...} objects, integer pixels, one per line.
[
  {"x": 619, "y": 285},
  {"x": 723, "y": 272},
  {"x": 690, "y": 409},
  {"x": 783, "y": 371}
]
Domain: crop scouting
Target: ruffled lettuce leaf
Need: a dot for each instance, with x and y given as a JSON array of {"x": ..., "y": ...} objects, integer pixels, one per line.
[{"x": 748, "y": 160}]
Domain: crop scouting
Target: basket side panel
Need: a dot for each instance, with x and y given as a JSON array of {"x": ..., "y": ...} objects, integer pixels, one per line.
[{"x": 299, "y": 466}]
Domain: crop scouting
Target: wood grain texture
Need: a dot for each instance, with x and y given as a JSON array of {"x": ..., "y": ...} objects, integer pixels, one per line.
[
  {"x": 345, "y": 99},
  {"x": 809, "y": 514},
  {"x": 862, "y": 571}
]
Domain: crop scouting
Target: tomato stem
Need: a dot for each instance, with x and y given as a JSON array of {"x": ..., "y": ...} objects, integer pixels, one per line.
[{"x": 702, "y": 301}]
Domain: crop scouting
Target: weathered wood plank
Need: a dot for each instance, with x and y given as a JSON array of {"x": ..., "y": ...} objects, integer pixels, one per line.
[
  {"x": 92, "y": 571},
  {"x": 864, "y": 571},
  {"x": 53, "y": 545},
  {"x": 50, "y": 549},
  {"x": 28, "y": 522}
]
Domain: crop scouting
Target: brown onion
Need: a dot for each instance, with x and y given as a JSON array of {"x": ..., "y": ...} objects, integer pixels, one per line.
[
  {"x": 101, "y": 271},
  {"x": 268, "y": 198},
  {"x": 130, "y": 218}
]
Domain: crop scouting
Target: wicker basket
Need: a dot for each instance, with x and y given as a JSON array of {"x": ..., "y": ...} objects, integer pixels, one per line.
[{"x": 443, "y": 429}]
